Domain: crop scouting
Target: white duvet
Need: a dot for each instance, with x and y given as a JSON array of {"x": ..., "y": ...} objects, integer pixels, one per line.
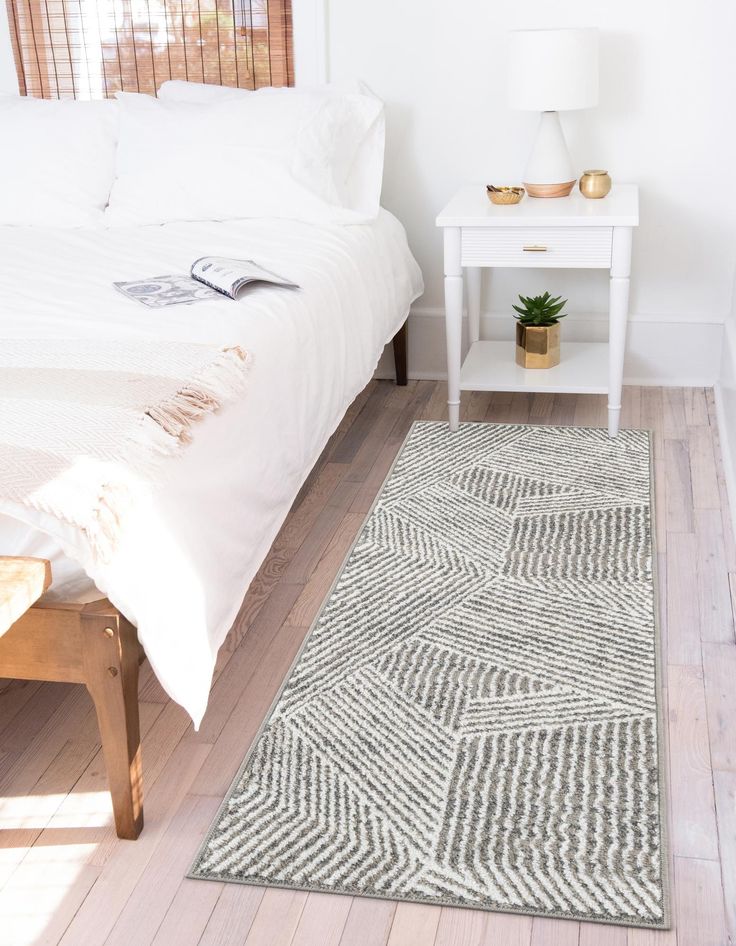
[{"x": 191, "y": 549}]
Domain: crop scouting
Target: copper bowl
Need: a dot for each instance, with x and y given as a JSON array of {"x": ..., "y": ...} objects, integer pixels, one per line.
[{"x": 504, "y": 195}]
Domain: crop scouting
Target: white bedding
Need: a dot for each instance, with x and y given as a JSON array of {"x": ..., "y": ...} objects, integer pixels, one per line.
[{"x": 190, "y": 552}]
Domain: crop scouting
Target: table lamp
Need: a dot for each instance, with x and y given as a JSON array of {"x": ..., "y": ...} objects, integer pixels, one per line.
[{"x": 552, "y": 71}]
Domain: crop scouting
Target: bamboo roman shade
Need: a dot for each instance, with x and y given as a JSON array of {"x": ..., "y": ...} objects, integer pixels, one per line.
[{"x": 89, "y": 49}]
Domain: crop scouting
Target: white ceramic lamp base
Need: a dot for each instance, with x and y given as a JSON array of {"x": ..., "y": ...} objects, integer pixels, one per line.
[{"x": 549, "y": 172}]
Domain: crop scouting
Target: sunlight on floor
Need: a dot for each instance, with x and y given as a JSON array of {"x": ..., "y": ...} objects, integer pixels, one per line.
[
  {"x": 43, "y": 885},
  {"x": 41, "y": 893},
  {"x": 43, "y": 812}
]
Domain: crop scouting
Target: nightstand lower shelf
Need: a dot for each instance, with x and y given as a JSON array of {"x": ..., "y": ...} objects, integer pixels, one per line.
[{"x": 491, "y": 366}]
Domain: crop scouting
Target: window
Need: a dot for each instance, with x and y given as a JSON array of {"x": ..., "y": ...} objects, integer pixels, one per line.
[{"x": 89, "y": 49}]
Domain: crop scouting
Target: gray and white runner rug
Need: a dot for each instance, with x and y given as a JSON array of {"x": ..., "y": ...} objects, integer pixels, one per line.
[{"x": 473, "y": 719}]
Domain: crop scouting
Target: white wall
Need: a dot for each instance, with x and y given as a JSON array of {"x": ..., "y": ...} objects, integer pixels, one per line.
[
  {"x": 725, "y": 390},
  {"x": 8, "y": 78},
  {"x": 665, "y": 120}
]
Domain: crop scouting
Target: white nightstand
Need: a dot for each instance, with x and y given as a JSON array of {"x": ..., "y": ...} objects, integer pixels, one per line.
[{"x": 568, "y": 232}]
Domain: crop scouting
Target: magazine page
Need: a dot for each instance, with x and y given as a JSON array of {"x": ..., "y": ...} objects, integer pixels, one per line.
[
  {"x": 158, "y": 291},
  {"x": 229, "y": 275}
]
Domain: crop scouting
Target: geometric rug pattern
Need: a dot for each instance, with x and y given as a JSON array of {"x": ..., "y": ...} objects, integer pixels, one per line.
[{"x": 473, "y": 719}]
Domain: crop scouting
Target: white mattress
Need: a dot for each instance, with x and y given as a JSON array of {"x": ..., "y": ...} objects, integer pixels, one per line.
[{"x": 188, "y": 556}]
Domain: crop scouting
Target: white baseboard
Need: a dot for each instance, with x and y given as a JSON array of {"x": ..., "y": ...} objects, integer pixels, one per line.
[
  {"x": 725, "y": 397},
  {"x": 658, "y": 352}
]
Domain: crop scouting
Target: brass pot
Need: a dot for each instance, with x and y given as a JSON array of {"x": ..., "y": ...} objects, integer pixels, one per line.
[
  {"x": 595, "y": 184},
  {"x": 537, "y": 346}
]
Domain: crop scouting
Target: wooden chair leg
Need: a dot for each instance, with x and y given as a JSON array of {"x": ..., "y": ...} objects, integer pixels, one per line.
[
  {"x": 399, "y": 341},
  {"x": 111, "y": 655}
]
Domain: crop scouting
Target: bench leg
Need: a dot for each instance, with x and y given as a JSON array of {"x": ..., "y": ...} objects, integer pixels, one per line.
[
  {"x": 110, "y": 658},
  {"x": 399, "y": 343}
]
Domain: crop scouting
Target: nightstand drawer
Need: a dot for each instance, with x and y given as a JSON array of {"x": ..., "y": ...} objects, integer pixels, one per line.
[{"x": 583, "y": 247}]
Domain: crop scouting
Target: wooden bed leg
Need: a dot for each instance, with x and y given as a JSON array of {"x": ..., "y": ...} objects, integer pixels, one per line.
[
  {"x": 400, "y": 353},
  {"x": 111, "y": 656}
]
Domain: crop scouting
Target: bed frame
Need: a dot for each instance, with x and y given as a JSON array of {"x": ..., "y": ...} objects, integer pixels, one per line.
[
  {"x": 95, "y": 645},
  {"x": 400, "y": 346}
]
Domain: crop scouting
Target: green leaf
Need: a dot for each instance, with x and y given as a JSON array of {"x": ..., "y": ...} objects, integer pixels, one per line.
[{"x": 540, "y": 310}]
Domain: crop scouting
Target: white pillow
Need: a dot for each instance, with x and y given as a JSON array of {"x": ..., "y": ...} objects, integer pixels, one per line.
[
  {"x": 56, "y": 162},
  {"x": 199, "y": 93},
  {"x": 358, "y": 139},
  {"x": 251, "y": 157}
]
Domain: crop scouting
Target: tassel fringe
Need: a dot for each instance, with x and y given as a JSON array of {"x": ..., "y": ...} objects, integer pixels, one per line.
[
  {"x": 98, "y": 508},
  {"x": 220, "y": 381}
]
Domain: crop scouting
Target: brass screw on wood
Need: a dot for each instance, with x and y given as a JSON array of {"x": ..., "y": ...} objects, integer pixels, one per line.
[
  {"x": 113, "y": 671},
  {"x": 109, "y": 632}
]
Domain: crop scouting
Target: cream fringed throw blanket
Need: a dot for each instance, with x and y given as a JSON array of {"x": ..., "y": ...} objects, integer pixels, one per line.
[{"x": 85, "y": 424}]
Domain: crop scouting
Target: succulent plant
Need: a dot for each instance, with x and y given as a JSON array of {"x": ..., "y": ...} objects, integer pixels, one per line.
[{"x": 540, "y": 310}]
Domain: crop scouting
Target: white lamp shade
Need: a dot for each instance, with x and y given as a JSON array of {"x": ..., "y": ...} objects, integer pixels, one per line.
[{"x": 553, "y": 70}]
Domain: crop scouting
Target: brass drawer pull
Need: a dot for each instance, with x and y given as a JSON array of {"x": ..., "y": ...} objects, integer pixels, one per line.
[{"x": 535, "y": 249}]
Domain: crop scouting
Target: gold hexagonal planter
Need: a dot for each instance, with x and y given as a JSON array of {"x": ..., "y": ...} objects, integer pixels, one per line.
[{"x": 537, "y": 346}]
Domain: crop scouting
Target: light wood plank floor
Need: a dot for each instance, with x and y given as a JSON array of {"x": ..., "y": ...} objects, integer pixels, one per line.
[{"x": 64, "y": 878}]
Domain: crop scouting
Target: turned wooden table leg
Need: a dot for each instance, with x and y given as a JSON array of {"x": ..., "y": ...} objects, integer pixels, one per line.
[
  {"x": 399, "y": 343},
  {"x": 453, "y": 321},
  {"x": 618, "y": 316},
  {"x": 110, "y": 657}
]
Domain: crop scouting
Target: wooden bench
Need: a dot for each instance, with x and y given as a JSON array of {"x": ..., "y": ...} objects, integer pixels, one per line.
[
  {"x": 22, "y": 582},
  {"x": 91, "y": 644}
]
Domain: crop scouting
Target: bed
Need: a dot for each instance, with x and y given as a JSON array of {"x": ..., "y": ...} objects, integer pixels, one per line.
[{"x": 189, "y": 555}]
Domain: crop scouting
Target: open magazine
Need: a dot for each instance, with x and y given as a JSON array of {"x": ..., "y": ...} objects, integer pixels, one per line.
[{"x": 209, "y": 277}]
